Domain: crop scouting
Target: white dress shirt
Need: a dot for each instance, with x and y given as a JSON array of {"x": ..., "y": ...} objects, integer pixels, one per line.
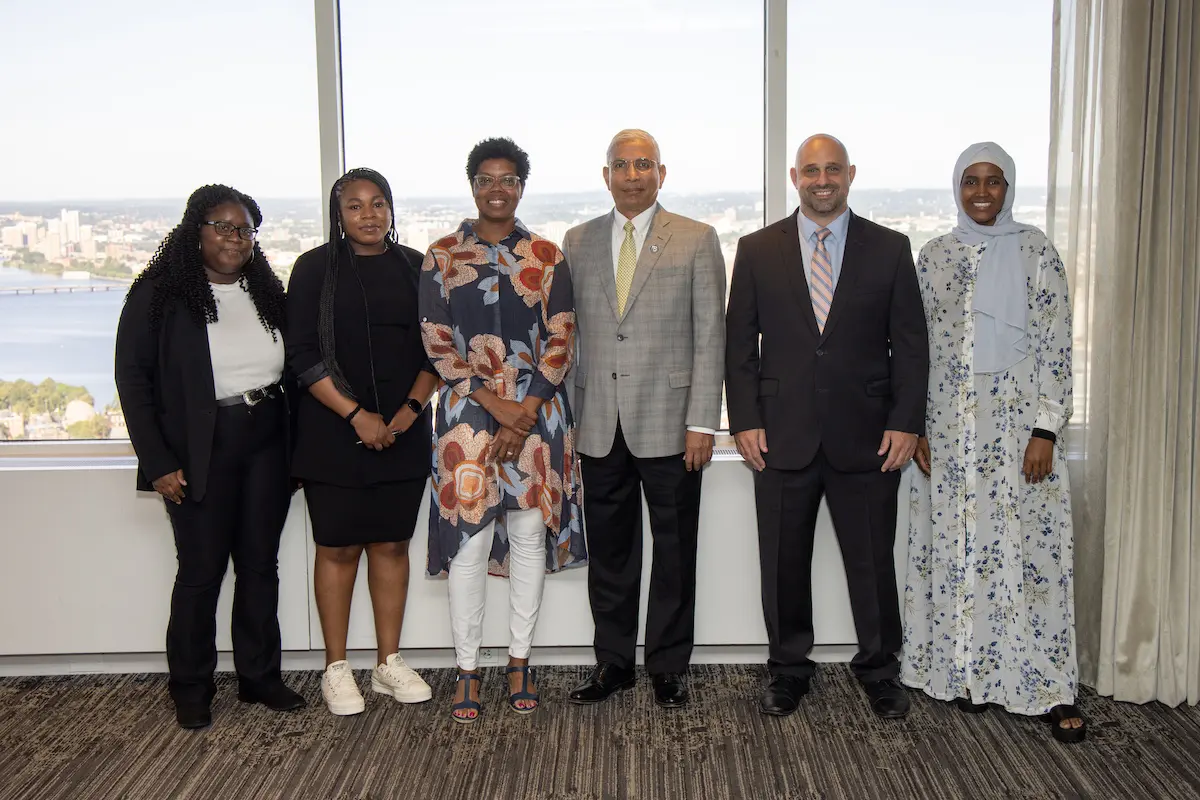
[{"x": 641, "y": 228}]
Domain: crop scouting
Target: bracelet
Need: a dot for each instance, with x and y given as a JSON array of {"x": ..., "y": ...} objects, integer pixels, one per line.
[{"x": 350, "y": 416}]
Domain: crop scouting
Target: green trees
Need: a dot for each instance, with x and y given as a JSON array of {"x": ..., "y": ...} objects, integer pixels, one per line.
[
  {"x": 98, "y": 427},
  {"x": 47, "y": 397}
]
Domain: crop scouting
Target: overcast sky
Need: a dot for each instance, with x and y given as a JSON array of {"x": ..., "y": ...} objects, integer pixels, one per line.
[{"x": 134, "y": 98}]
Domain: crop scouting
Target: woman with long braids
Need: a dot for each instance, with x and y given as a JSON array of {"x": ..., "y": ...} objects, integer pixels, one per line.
[
  {"x": 364, "y": 435},
  {"x": 199, "y": 369}
]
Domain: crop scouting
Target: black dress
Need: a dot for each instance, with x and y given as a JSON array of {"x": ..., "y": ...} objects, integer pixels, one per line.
[{"x": 357, "y": 495}]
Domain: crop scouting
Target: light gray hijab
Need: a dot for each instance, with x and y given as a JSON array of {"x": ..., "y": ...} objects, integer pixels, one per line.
[{"x": 1000, "y": 304}]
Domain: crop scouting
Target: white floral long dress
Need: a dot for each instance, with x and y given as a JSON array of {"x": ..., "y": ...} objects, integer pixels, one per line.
[{"x": 988, "y": 601}]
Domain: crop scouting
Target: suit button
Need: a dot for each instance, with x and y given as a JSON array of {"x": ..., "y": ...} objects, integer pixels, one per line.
[
  {"x": 620, "y": 337},
  {"x": 614, "y": 376},
  {"x": 820, "y": 352}
]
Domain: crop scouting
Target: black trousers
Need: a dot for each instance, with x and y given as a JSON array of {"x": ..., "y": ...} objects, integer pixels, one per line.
[
  {"x": 863, "y": 507},
  {"x": 241, "y": 516},
  {"x": 613, "y": 511}
]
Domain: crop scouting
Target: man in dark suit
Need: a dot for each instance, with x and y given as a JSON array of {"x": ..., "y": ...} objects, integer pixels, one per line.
[{"x": 837, "y": 390}]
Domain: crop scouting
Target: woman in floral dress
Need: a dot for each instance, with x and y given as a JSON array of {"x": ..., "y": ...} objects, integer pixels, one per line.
[
  {"x": 498, "y": 321},
  {"x": 989, "y": 606}
]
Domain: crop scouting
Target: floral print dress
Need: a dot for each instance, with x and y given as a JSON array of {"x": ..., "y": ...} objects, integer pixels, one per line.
[
  {"x": 501, "y": 317},
  {"x": 988, "y": 600}
]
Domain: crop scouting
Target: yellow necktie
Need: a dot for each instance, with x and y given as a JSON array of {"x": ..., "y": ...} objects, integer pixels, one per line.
[{"x": 626, "y": 263}]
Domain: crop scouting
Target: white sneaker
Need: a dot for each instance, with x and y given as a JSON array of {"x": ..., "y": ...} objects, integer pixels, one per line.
[
  {"x": 340, "y": 691},
  {"x": 398, "y": 679}
]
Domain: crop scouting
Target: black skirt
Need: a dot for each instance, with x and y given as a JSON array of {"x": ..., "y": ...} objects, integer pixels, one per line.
[{"x": 343, "y": 516}]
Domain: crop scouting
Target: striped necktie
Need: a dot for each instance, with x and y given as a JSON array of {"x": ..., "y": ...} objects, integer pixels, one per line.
[
  {"x": 626, "y": 264},
  {"x": 821, "y": 285}
]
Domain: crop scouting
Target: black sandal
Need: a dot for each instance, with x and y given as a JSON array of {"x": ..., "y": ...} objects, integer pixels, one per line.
[
  {"x": 527, "y": 674},
  {"x": 967, "y": 707},
  {"x": 1058, "y": 715}
]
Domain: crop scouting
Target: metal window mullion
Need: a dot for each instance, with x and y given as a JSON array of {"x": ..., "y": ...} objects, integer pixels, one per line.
[
  {"x": 775, "y": 148},
  {"x": 327, "y": 18}
]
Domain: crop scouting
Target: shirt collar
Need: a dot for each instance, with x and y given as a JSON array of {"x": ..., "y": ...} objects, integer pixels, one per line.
[
  {"x": 837, "y": 228},
  {"x": 641, "y": 223},
  {"x": 519, "y": 232}
]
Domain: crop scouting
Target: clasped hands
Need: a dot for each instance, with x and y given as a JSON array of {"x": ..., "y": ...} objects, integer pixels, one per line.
[
  {"x": 377, "y": 434},
  {"x": 516, "y": 421}
]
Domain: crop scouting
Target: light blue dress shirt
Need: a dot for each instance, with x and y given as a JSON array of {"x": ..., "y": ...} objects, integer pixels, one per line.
[{"x": 835, "y": 243}]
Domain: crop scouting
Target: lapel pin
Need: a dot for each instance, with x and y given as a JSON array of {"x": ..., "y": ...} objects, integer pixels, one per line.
[{"x": 653, "y": 248}]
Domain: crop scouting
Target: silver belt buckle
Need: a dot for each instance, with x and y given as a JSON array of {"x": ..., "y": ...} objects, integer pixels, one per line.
[{"x": 250, "y": 399}]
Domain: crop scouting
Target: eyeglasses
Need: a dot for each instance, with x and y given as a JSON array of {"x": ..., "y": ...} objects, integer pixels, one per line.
[
  {"x": 227, "y": 229},
  {"x": 639, "y": 165},
  {"x": 484, "y": 182}
]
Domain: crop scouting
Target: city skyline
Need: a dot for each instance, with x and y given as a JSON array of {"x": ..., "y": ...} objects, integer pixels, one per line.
[{"x": 68, "y": 338}]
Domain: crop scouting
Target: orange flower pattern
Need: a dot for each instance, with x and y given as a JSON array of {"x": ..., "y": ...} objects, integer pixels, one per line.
[
  {"x": 500, "y": 317},
  {"x": 467, "y": 485}
]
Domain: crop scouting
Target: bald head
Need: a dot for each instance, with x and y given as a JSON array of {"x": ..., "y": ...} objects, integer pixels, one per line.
[
  {"x": 822, "y": 177},
  {"x": 821, "y": 143}
]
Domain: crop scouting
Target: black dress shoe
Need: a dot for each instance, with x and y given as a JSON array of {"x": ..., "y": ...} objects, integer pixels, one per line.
[
  {"x": 888, "y": 698},
  {"x": 193, "y": 715},
  {"x": 782, "y": 695},
  {"x": 606, "y": 680},
  {"x": 670, "y": 689},
  {"x": 274, "y": 695}
]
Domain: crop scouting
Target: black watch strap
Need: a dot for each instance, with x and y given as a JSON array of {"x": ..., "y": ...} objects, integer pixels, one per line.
[
  {"x": 415, "y": 405},
  {"x": 350, "y": 416}
]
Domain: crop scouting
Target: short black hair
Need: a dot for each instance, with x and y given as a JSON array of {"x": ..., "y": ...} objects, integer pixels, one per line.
[{"x": 498, "y": 147}]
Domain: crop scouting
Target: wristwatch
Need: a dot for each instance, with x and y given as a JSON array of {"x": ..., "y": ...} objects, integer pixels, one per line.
[{"x": 415, "y": 405}]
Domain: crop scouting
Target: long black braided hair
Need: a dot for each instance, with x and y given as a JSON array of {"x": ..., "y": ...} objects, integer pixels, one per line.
[
  {"x": 179, "y": 273},
  {"x": 339, "y": 249}
]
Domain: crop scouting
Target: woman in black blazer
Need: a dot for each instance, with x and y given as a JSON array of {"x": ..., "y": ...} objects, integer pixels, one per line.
[
  {"x": 364, "y": 437},
  {"x": 199, "y": 370}
]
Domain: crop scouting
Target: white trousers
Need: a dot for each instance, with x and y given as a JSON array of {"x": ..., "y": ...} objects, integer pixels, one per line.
[{"x": 526, "y": 576}]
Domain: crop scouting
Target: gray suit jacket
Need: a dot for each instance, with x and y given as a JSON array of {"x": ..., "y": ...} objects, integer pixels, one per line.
[{"x": 660, "y": 366}]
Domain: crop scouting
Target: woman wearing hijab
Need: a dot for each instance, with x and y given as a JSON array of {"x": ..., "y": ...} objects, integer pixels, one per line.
[
  {"x": 989, "y": 597},
  {"x": 364, "y": 430}
]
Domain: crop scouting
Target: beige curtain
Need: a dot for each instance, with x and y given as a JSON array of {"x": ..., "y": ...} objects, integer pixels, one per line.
[{"x": 1125, "y": 213}]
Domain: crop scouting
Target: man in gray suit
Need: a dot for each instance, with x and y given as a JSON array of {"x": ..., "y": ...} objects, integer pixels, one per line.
[{"x": 649, "y": 305}]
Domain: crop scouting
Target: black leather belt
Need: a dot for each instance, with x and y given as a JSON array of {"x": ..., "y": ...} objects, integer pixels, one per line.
[{"x": 253, "y": 397}]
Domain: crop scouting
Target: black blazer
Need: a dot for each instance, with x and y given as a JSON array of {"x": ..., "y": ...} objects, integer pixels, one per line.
[
  {"x": 840, "y": 390},
  {"x": 165, "y": 382}
]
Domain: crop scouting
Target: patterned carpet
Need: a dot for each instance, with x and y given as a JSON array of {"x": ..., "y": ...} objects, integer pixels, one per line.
[{"x": 115, "y": 737}]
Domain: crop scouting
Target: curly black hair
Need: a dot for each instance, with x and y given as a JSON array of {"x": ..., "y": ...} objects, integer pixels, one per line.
[
  {"x": 339, "y": 249},
  {"x": 499, "y": 147},
  {"x": 178, "y": 271}
]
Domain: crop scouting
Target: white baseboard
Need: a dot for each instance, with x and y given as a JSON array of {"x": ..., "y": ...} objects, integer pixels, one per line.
[{"x": 121, "y": 663}]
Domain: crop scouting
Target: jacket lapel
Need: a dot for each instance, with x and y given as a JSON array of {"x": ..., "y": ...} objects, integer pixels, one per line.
[
  {"x": 652, "y": 250},
  {"x": 601, "y": 245},
  {"x": 852, "y": 256},
  {"x": 792, "y": 259},
  {"x": 197, "y": 374}
]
